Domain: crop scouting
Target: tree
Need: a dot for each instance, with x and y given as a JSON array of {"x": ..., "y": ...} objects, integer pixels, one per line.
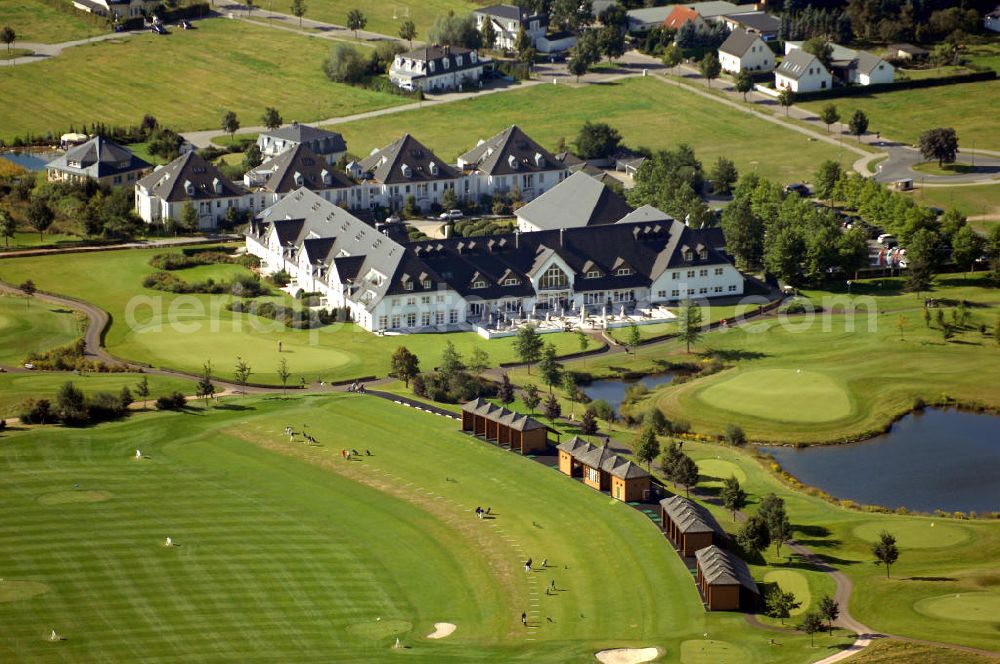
[
  {"x": 404, "y": 365},
  {"x": 283, "y": 374},
  {"x": 822, "y": 49},
  {"x": 647, "y": 447},
  {"x": 298, "y": 9},
  {"x": 531, "y": 398},
  {"x": 901, "y": 324},
  {"x": 612, "y": 42},
  {"x": 7, "y": 227},
  {"x": 489, "y": 34},
  {"x": 408, "y": 31},
  {"x": 597, "y": 140},
  {"x": 710, "y": 67},
  {"x": 528, "y": 345},
  {"x": 549, "y": 368},
  {"x": 689, "y": 321},
  {"x": 577, "y": 66},
  {"x": 779, "y": 529},
  {"x": 242, "y": 373},
  {"x": 829, "y": 610},
  {"x": 125, "y": 397},
  {"x": 142, "y": 390},
  {"x": 584, "y": 342},
  {"x": 345, "y": 65},
  {"x": 249, "y": 4},
  {"x": 356, "y": 20},
  {"x": 8, "y": 37},
  {"x": 479, "y": 361},
  {"x": 570, "y": 15},
  {"x": 230, "y": 123},
  {"x": 205, "y": 389},
  {"x": 633, "y": 337},
  {"x": 923, "y": 256},
  {"x": 735, "y": 435},
  {"x": 685, "y": 473},
  {"x": 451, "y": 362},
  {"x": 744, "y": 83},
  {"x": 829, "y": 115},
  {"x": 858, "y": 124},
  {"x": 966, "y": 248},
  {"x": 734, "y": 498},
  {"x": 505, "y": 393},
  {"x": 940, "y": 144},
  {"x": 885, "y": 551},
  {"x": 189, "y": 217},
  {"x": 71, "y": 404},
  {"x": 588, "y": 423},
  {"x": 811, "y": 623},
  {"x": 786, "y": 98},
  {"x": 826, "y": 178},
  {"x": 252, "y": 159},
  {"x": 724, "y": 175},
  {"x": 455, "y": 30},
  {"x": 40, "y": 216},
  {"x": 271, "y": 118},
  {"x": 753, "y": 536},
  {"x": 552, "y": 408},
  {"x": 672, "y": 56}
]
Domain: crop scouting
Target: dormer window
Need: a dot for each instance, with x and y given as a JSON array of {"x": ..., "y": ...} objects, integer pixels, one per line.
[
  {"x": 426, "y": 283},
  {"x": 472, "y": 57},
  {"x": 406, "y": 170},
  {"x": 512, "y": 161},
  {"x": 327, "y": 177},
  {"x": 539, "y": 160},
  {"x": 433, "y": 168},
  {"x": 511, "y": 281},
  {"x": 479, "y": 283},
  {"x": 408, "y": 285},
  {"x": 623, "y": 272},
  {"x": 431, "y": 66},
  {"x": 593, "y": 274},
  {"x": 298, "y": 179},
  {"x": 189, "y": 187},
  {"x": 445, "y": 63},
  {"x": 458, "y": 61}
]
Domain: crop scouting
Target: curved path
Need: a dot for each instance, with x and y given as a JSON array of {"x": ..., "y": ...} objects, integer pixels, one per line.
[{"x": 42, "y": 52}]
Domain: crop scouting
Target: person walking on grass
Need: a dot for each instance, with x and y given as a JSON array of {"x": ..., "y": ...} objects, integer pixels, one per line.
[{"x": 524, "y": 618}]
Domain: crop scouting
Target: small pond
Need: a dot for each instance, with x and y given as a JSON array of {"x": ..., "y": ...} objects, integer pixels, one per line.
[
  {"x": 938, "y": 459},
  {"x": 613, "y": 391},
  {"x": 33, "y": 161}
]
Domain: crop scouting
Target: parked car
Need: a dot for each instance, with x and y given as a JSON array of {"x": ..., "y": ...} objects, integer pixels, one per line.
[
  {"x": 408, "y": 86},
  {"x": 797, "y": 188},
  {"x": 158, "y": 29},
  {"x": 451, "y": 214},
  {"x": 29, "y": 366},
  {"x": 393, "y": 219}
]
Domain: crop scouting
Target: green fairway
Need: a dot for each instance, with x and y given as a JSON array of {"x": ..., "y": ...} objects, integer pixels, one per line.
[
  {"x": 38, "y": 21},
  {"x": 188, "y": 80},
  {"x": 646, "y": 111},
  {"x": 287, "y": 552},
  {"x": 884, "y": 651},
  {"x": 28, "y": 325},
  {"x": 981, "y": 606},
  {"x": 795, "y": 583},
  {"x": 383, "y": 17},
  {"x": 785, "y": 395},
  {"x": 902, "y": 115},
  {"x": 16, "y": 388},
  {"x": 711, "y": 651},
  {"x": 185, "y": 331}
]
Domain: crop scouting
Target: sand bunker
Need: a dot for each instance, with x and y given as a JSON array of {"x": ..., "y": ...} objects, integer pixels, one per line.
[
  {"x": 441, "y": 630},
  {"x": 628, "y": 655},
  {"x": 12, "y": 591},
  {"x": 66, "y": 497}
]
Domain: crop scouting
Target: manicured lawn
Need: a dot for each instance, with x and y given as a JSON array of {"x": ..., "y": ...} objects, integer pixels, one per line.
[
  {"x": 932, "y": 168},
  {"x": 187, "y": 80},
  {"x": 16, "y": 388},
  {"x": 899, "y": 652},
  {"x": 14, "y": 53},
  {"x": 903, "y": 115},
  {"x": 184, "y": 332},
  {"x": 983, "y": 199},
  {"x": 37, "y": 21},
  {"x": 647, "y": 112},
  {"x": 28, "y": 325},
  {"x": 28, "y": 239},
  {"x": 286, "y": 552},
  {"x": 383, "y": 17}
]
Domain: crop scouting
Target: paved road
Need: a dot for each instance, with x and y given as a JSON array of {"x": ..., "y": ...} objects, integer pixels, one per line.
[{"x": 43, "y": 52}]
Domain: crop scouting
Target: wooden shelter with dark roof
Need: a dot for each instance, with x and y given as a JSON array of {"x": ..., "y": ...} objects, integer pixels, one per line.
[
  {"x": 602, "y": 469},
  {"x": 504, "y": 427},
  {"x": 689, "y": 525},
  {"x": 724, "y": 580}
]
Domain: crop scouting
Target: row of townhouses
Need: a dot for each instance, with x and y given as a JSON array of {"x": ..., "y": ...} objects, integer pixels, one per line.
[
  {"x": 300, "y": 156},
  {"x": 597, "y": 252}
]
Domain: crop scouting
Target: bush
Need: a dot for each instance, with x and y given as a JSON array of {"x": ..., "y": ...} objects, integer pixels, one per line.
[
  {"x": 345, "y": 65},
  {"x": 3, "y": 424},
  {"x": 243, "y": 285},
  {"x": 189, "y": 258},
  {"x": 36, "y": 412},
  {"x": 735, "y": 435},
  {"x": 173, "y": 401},
  {"x": 281, "y": 279}
]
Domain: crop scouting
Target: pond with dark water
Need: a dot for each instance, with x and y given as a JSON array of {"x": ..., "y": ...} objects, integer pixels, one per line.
[
  {"x": 937, "y": 459},
  {"x": 613, "y": 390},
  {"x": 33, "y": 161}
]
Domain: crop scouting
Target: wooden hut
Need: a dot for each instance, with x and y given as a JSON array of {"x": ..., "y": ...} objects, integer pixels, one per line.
[
  {"x": 725, "y": 581},
  {"x": 504, "y": 427},
  {"x": 603, "y": 470},
  {"x": 689, "y": 525}
]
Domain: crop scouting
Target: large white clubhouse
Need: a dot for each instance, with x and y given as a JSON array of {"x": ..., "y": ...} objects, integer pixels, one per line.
[{"x": 396, "y": 285}]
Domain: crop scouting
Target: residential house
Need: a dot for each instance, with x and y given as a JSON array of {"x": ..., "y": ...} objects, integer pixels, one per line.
[
  {"x": 724, "y": 581},
  {"x": 508, "y": 21},
  {"x": 991, "y": 21},
  {"x": 437, "y": 68},
  {"x": 681, "y": 15},
  {"x": 853, "y": 67},
  {"x": 299, "y": 167},
  {"x": 435, "y": 285},
  {"x": 603, "y": 470},
  {"x": 646, "y": 18},
  {"x": 759, "y": 23},
  {"x": 581, "y": 200},
  {"x": 745, "y": 50},
  {"x": 100, "y": 160},
  {"x": 506, "y": 162},
  {"x": 402, "y": 169},
  {"x": 328, "y": 144},
  {"x": 906, "y": 53},
  {"x": 118, "y": 9},
  {"x": 162, "y": 195},
  {"x": 802, "y": 72}
]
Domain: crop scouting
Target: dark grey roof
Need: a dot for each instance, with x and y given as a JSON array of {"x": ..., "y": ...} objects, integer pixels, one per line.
[
  {"x": 689, "y": 516},
  {"x": 300, "y": 167},
  {"x": 738, "y": 42},
  {"x": 867, "y": 62},
  {"x": 602, "y": 458},
  {"x": 761, "y": 22},
  {"x": 516, "y": 421},
  {"x": 509, "y": 12},
  {"x": 170, "y": 182},
  {"x": 438, "y": 54},
  {"x": 579, "y": 200},
  {"x": 796, "y": 63},
  {"x": 724, "y": 568},
  {"x": 320, "y": 140},
  {"x": 98, "y": 158},
  {"x": 508, "y": 153},
  {"x": 406, "y": 160},
  {"x": 907, "y": 48}
]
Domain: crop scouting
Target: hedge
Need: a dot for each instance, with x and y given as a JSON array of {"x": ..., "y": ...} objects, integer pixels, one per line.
[{"x": 855, "y": 90}]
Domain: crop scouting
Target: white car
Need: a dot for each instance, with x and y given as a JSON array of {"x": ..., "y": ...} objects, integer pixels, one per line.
[
  {"x": 451, "y": 214},
  {"x": 29, "y": 366},
  {"x": 408, "y": 86}
]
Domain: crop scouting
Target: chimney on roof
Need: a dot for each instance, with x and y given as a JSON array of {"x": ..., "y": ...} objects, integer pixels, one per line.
[
  {"x": 561, "y": 233},
  {"x": 517, "y": 238}
]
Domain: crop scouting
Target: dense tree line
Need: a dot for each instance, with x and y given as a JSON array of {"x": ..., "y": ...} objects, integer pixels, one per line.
[{"x": 672, "y": 180}]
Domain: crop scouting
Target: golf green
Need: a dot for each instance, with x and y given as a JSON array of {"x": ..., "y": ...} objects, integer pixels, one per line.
[
  {"x": 978, "y": 606},
  {"x": 714, "y": 471},
  {"x": 916, "y": 533},
  {"x": 792, "y": 395},
  {"x": 792, "y": 582}
]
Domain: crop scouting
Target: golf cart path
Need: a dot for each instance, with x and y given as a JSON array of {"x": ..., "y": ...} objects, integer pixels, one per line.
[{"x": 42, "y": 52}]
